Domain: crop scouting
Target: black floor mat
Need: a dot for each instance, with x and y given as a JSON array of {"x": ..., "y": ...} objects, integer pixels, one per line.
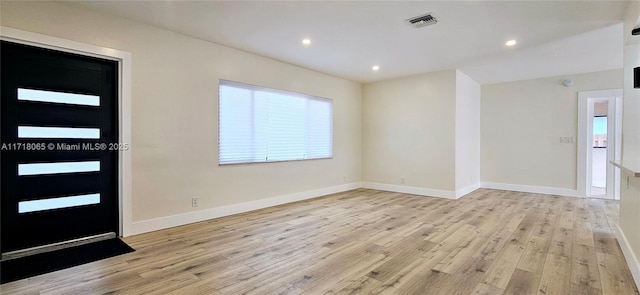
[{"x": 25, "y": 267}]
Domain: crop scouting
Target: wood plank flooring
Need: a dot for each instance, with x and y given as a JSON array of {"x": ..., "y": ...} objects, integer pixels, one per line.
[{"x": 371, "y": 242}]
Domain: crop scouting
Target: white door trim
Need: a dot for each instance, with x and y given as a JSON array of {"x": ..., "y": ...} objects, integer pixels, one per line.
[
  {"x": 124, "y": 62},
  {"x": 585, "y": 112}
]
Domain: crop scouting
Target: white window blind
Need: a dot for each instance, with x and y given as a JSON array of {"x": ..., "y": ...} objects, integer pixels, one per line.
[{"x": 258, "y": 124}]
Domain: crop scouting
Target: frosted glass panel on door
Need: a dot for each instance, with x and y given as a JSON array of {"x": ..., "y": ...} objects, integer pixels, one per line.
[
  {"x": 58, "y": 97},
  {"x": 58, "y": 167},
  {"x": 57, "y": 203},
  {"x": 58, "y": 132}
]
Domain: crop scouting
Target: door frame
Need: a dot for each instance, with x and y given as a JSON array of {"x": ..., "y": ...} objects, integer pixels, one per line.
[
  {"x": 585, "y": 130},
  {"x": 123, "y": 59}
]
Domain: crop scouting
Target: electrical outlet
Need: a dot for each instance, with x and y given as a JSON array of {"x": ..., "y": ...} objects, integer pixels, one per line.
[
  {"x": 627, "y": 182},
  {"x": 194, "y": 202},
  {"x": 344, "y": 179},
  {"x": 402, "y": 180}
]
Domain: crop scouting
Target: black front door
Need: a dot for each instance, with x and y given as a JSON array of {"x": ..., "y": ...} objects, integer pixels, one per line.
[{"x": 58, "y": 159}]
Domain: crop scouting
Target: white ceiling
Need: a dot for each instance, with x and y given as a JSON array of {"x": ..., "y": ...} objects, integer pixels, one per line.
[{"x": 349, "y": 37}]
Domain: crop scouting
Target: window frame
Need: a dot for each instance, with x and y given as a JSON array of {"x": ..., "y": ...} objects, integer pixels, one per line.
[{"x": 255, "y": 88}]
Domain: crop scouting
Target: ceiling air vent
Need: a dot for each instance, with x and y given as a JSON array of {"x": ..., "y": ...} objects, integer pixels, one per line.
[{"x": 422, "y": 20}]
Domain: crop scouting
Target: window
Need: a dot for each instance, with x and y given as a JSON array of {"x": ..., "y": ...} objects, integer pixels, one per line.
[
  {"x": 600, "y": 131},
  {"x": 258, "y": 124}
]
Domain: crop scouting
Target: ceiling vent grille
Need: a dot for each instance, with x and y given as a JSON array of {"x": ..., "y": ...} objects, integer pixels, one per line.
[{"x": 422, "y": 20}]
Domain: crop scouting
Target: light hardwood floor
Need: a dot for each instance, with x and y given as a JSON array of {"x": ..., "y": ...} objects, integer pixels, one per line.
[{"x": 372, "y": 242}]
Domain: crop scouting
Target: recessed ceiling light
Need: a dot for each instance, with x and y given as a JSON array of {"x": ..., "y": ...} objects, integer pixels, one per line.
[
  {"x": 306, "y": 41},
  {"x": 375, "y": 68},
  {"x": 510, "y": 43}
]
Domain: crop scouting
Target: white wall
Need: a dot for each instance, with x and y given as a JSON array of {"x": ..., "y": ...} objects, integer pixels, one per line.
[
  {"x": 522, "y": 123},
  {"x": 631, "y": 105},
  {"x": 174, "y": 106},
  {"x": 408, "y": 131},
  {"x": 629, "y": 232},
  {"x": 424, "y": 129},
  {"x": 467, "y": 131}
]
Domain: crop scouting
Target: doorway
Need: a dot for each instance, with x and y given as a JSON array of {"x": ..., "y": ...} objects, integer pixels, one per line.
[
  {"x": 599, "y": 148},
  {"x": 59, "y": 131},
  {"x": 599, "y": 126}
]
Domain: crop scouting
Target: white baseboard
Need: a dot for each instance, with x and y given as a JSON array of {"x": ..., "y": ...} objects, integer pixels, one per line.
[
  {"x": 149, "y": 225},
  {"x": 532, "y": 189},
  {"x": 410, "y": 190},
  {"x": 467, "y": 190},
  {"x": 629, "y": 256}
]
